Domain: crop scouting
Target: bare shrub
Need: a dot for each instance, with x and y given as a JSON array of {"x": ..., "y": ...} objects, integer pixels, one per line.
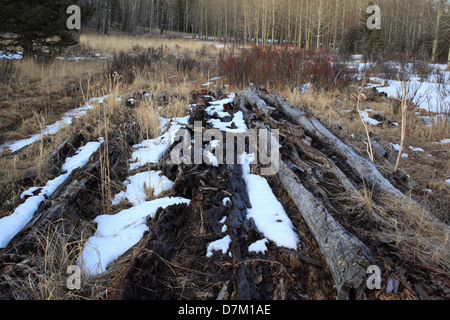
[
  {"x": 127, "y": 65},
  {"x": 282, "y": 67},
  {"x": 186, "y": 64}
]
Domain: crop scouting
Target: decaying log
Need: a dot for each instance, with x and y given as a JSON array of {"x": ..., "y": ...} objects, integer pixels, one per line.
[
  {"x": 362, "y": 167},
  {"x": 76, "y": 198},
  {"x": 346, "y": 256},
  {"x": 295, "y": 134}
]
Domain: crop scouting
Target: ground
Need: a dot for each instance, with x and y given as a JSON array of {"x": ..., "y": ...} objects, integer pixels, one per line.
[{"x": 182, "y": 250}]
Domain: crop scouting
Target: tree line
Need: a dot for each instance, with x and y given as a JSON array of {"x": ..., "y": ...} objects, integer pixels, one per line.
[{"x": 414, "y": 28}]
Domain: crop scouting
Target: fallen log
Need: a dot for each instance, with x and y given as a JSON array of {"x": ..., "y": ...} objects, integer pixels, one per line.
[
  {"x": 362, "y": 167},
  {"x": 295, "y": 135},
  {"x": 346, "y": 256},
  {"x": 78, "y": 197}
]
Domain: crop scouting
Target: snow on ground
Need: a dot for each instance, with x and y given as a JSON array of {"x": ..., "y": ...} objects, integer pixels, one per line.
[
  {"x": 19, "y": 55},
  {"x": 397, "y": 148},
  {"x": 268, "y": 213},
  {"x": 443, "y": 141},
  {"x": 219, "y": 245},
  {"x": 151, "y": 150},
  {"x": 404, "y": 155},
  {"x": 216, "y": 110},
  {"x": 427, "y": 96},
  {"x": 226, "y": 200},
  {"x": 258, "y": 246},
  {"x": 52, "y": 129},
  {"x": 12, "y": 224},
  {"x": 416, "y": 149},
  {"x": 365, "y": 117},
  {"x": 10, "y": 56},
  {"x": 211, "y": 158},
  {"x": 97, "y": 56},
  {"x": 137, "y": 184},
  {"x": 117, "y": 233}
]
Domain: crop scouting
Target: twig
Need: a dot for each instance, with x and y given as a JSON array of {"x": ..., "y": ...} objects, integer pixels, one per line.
[
  {"x": 369, "y": 151},
  {"x": 403, "y": 128}
]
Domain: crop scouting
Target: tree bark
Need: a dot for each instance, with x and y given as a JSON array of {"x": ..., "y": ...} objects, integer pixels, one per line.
[
  {"x": 360, "y": 166},
  {"x": 346, "y": 256},
  {"x": 448, "y": 59}
]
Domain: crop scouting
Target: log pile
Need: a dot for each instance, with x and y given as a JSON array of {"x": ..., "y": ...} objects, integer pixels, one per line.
[{"x": 173, "y": 260}]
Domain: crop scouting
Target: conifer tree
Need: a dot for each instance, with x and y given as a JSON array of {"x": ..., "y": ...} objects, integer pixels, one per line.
[
  {"x": 370, "y": 41},
  {"x": 32, "y": 24}
]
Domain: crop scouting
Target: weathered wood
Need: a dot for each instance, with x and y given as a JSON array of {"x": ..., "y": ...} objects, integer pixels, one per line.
[
  {"x": 239, "y": 225},
  {"x": 362, "y": 167},
  {"x": 346, "y": 256},
  {"x": 78, "y": 197},
  {"x": 295, "y": 134}
]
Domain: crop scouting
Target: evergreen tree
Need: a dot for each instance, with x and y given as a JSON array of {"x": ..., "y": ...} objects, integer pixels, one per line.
[
  {"x": 30, "y": 24},
  {"x": 370, "y": 41}
]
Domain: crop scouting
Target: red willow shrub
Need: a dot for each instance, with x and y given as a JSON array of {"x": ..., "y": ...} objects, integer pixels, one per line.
[{"x": 283, "y": 66}]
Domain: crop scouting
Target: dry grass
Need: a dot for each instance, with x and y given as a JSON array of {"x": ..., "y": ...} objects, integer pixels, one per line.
[
  {"x": 119, "y": 42},
  {"x": 404, "y": 223},
  {"x": 420, "y": 230},
  {"x": 41, "y": 91},
  {"x": 48, "y": 276},
  {"x": 427, "y": 169},
  {"x": 37, "y": 97}
]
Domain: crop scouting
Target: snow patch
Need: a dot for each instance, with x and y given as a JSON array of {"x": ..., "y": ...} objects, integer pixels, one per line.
[
  {"x": 258, "y": 246},
  {"x": 268, "y": 213},
  {"x": 136, "y": 186},
  {"x": 52, "y": 129},
  {"x": 150, "y": 151},
  {"x": 365, "y": 117},
  {"x": 219, "y": 245},
  {"x": 416, "y": 149},
  {"x": 12, "y": 224},
  {"x": 118, "y": 233},
  {"x": 225, "y": 201},
  {"x": 216, "y": 109}
]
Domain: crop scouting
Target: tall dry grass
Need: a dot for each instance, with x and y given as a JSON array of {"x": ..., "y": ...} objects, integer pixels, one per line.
[
  {"x": 42, "y": 91},
  {"x": 116, "y": 43},
  {"x": 48, "y": 274},
  {"x": 414, "y": 226},
  {"x": 405, "y": 224}
]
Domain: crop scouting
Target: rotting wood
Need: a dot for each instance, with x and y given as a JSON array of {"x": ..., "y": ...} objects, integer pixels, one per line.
[
  {"x": 346, "y": 256},
  {"x": 362, "y": 167},
  {"x": 295, "y": 134},
  {"x": 78, "y": 197}
]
